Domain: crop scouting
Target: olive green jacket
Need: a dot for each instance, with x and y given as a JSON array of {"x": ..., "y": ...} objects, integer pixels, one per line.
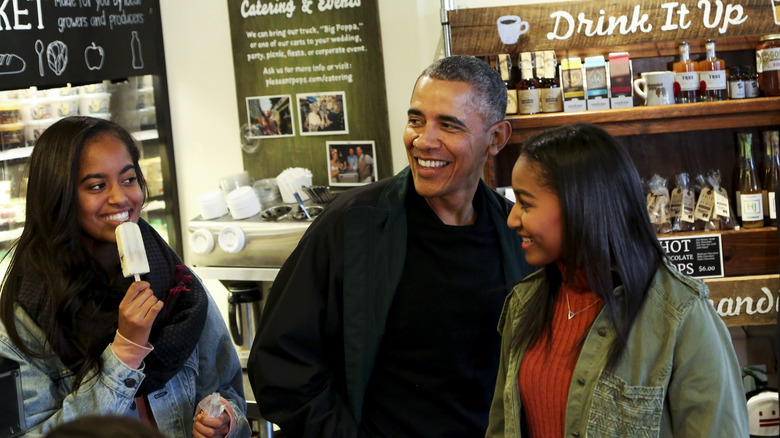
[{"x": 678, "y": 377}]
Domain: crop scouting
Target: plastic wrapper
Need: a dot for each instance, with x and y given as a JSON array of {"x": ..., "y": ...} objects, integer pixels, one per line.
[
  {"x": 212, "y": 405},
  {"x": 683, "y": 203},
  {"x": 713, "y": 211},
  {"x": 658, "y": 201}
]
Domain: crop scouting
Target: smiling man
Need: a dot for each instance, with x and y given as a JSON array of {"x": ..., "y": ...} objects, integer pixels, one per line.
[{"x": 382, "y": 323}]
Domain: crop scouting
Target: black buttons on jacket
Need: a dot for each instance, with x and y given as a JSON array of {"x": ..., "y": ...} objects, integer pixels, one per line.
[
  {"x": 581, "y": 381},
  {"x": 602, "y": 332},
  {"x": 132, "y": 406},
  {"x": 130, "y": 383}
]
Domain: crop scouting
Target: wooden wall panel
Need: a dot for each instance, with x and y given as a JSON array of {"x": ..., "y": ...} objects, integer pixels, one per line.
[
  {"x": 745, "y": 301},
  {"x": 644, "y": 25}
]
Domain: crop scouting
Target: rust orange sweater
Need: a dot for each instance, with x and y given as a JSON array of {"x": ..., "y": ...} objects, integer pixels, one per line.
[{"x": 545, "y": 372}]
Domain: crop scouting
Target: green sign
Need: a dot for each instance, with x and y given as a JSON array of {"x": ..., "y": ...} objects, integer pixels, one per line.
[{"x": 311, "y": 88}]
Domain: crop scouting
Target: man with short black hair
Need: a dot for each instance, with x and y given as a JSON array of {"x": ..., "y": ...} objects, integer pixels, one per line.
[{"x": 383, "y": 321}]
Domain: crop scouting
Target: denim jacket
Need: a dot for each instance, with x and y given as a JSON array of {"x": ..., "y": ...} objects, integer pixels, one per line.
[
  {"x": 678, "y": 377},
  {"x": 48, "y": 400}
]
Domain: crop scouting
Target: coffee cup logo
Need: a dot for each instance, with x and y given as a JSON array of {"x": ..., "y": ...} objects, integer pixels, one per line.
[{"x": 510, "y": 27}]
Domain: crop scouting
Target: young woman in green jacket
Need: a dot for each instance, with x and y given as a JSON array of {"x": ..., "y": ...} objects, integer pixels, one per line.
[{"x": 608, "y": 339}]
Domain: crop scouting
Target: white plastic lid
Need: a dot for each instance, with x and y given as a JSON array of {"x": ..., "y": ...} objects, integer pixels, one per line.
[
  {"x": 202, "y": 241},
  {"x": 231, "y": 239}
]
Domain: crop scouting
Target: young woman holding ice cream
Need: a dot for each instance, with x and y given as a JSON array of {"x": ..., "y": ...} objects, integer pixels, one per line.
[{"x": 88, "y": 340}]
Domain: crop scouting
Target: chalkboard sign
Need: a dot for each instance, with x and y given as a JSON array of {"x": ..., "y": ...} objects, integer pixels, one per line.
[{"x": 48, "y": 43}]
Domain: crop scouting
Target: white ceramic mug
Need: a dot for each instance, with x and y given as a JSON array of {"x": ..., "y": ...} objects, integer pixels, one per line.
[
  {"x": 510, "y": 27},
  {"x": 656, "y": 87}
]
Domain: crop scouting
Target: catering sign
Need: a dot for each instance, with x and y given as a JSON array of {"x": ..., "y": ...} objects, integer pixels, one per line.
[{"x": 308, "y": 72}]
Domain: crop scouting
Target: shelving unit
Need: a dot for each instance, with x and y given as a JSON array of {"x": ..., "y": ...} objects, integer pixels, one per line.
[
  {"x": 743, "y": 113},
  {"x": 750, "y": 257},
  {"x": 16, "y": 153},
  {"x": 667, "y": 140}
]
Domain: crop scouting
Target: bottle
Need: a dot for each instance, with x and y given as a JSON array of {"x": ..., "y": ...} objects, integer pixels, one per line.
[
  {"x": 751, "y": 81},
  {"x": 686, "y": 76},
  {"x": 712, "y": 71},
  {"x": 550, "y": 93},
  {"x": 771, "y": 175},
  {"x": 527, "y": 88},
  {"x": 736, "y": 83},
  {"x": 539, "y": 69},
  {"x": 749, "y": 196},
  {"x": 505, "y": 69}
]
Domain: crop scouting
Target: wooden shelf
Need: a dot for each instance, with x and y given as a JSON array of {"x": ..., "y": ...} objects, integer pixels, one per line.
[
  {"x": 742, "y": 113},
  {"x": 750, "y": 257},
  {"x": 745, "y": 252},
  {"x": 16, "y": 153}
]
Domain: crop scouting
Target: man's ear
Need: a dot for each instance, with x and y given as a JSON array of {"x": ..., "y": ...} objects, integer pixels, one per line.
[{"x": 500, "y": 133}]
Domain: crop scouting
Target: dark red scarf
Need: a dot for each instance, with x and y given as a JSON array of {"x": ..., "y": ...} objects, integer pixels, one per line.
[{"x": 175, "y": 332}]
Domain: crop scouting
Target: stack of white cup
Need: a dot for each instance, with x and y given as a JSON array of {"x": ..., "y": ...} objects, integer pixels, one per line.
[
  {"x": 243, "y": 203},
  {"x": 212, "y": 205}
]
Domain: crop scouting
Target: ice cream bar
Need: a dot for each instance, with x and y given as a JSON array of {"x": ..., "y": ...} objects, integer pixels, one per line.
[{"x": 132, "y": 253}]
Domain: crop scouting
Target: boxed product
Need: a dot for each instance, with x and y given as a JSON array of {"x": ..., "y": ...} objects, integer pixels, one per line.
[
  {"x": 573, "y": 85},
  {"x": 596, "y": 83},
  {"x": 620, "y": 80}
]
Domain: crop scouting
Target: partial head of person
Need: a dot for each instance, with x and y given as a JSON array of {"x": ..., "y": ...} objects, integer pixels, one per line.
[
  {"x": 455, "y": 123},
  {"x": 585, "y": 188},
  {"x": 104, "y": 426},
  {"x": 580, "y": 203},
  {"x": 84, "y": 178}
]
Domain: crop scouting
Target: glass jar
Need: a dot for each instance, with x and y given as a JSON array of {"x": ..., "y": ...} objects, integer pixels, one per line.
[
  {"x": 768, "y": 64},
  {"x": 736, "y": 83}
]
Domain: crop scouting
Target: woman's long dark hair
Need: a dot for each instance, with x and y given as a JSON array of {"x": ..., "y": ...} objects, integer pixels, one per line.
[
  {"x": 51, "y": 249},
  {"x": 606, "y": 232}
]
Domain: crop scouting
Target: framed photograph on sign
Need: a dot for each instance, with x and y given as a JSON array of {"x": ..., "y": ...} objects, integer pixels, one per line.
[
  {"x": 322, "y": 113},
  {"x": 270, "y": 116},
  {"x": 351, "y": 163}
]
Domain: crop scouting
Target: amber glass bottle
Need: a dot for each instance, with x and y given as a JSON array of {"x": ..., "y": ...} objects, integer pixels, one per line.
[
  {"x": 550, "y": 93},
  {"x": 539, "y": 68},
  {"x": 527, "y": 88},
  {"x": 771, "y": 175},
  {"x": 686, "y": 76},
  {"x": 750, "y": 198},
  {"x": 714, "y": 78},
  {"x": 505, "y": 69}
]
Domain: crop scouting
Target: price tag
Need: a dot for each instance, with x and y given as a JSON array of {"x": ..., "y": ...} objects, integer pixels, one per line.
[{"x": 695, "y": 256}]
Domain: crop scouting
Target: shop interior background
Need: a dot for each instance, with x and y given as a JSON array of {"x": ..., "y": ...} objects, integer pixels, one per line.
[{"x": 202, "y": 94}]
